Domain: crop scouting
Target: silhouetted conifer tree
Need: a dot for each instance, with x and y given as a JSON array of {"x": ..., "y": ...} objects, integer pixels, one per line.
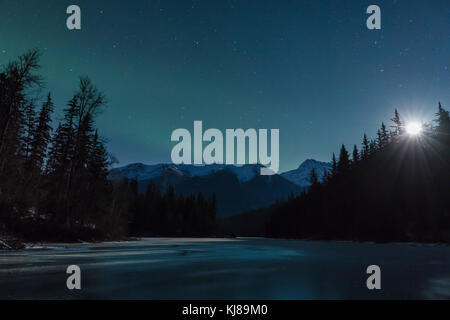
[
  {"x": 383, "y": 137},
  {"x": 343, "y": 164},
  {"x": 28, "y": 128},
  {"x": 42, "y": 135},
  {"x": 365, "y": 148},
  {"x": 334, "y": 168},
  {"x": 355, "y": 155},
  {"x": 398, "y": 124}
]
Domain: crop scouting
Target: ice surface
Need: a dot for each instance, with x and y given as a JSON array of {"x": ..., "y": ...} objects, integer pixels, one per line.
[{"x": 243, "y": 268}]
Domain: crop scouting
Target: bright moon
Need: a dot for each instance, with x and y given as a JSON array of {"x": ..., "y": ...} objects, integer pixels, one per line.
[{"x": 413, "y": 128}]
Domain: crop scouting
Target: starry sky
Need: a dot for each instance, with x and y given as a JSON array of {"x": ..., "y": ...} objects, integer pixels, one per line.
[{"x": 309, "y": 68}]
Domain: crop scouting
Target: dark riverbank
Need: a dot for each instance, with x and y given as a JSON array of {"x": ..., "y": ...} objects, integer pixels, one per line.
[{"x": 11, "y": 243}]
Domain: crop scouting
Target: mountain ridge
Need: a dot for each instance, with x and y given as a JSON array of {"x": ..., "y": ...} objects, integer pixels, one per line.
[
  {"x": 139, "y": 171},
  {"x": 237, "y": 188}
]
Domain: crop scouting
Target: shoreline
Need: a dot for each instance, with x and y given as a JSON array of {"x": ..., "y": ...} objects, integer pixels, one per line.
[{"x": 50, "y": 245}]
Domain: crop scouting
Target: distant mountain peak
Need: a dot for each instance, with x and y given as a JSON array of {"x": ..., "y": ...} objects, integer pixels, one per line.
[
  {"x": 238, "y": 188},
  {"x": 141, "y": 171},
  {"x": 301, "y": 176},
  {"x": 311, "y": 162}
]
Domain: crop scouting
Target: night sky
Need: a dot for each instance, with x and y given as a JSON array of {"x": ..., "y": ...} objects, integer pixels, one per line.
[{"x": 310, "y": 68}]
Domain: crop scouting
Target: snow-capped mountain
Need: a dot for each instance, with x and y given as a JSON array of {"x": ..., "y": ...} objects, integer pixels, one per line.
[
  {"x": 237, "y": 188},
  {"x": 301, "y": 176},
  {"x": 141, "y": 172}
]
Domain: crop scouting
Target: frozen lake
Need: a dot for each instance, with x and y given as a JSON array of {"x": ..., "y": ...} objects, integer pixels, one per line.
[{"x": 243, "y": 268}]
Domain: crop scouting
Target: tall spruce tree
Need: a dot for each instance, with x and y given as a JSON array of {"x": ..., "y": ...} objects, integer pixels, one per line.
[
  {"x": 355, "y": 155},
  {"x": 398, "y": 124},
  {"x": 334, "y": 168},
  {"x": 373, "y": 147},
  {"x": 384, "y": 136},
  {"x": 343, "y": 164},
  {"x": 27, "y": 133},
  {"x": 42, "y": 135},
  {"x": 365, "y": 148},
  {"x": 16, "y": 112},
  {"x": 18, "y": 76}
]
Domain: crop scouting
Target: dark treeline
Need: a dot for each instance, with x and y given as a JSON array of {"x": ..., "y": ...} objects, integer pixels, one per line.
[
  {"x": 54, "y": 183},
  {"x": 395, "y": 189},
  {"x": 157, "y": 213}
]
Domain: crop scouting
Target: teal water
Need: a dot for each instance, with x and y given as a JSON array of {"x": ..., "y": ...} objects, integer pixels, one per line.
[{"x": 243, "y": 268}]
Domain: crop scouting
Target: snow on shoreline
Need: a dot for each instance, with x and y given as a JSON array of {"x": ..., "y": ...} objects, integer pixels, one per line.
[{"x": 174, "y": 240}]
